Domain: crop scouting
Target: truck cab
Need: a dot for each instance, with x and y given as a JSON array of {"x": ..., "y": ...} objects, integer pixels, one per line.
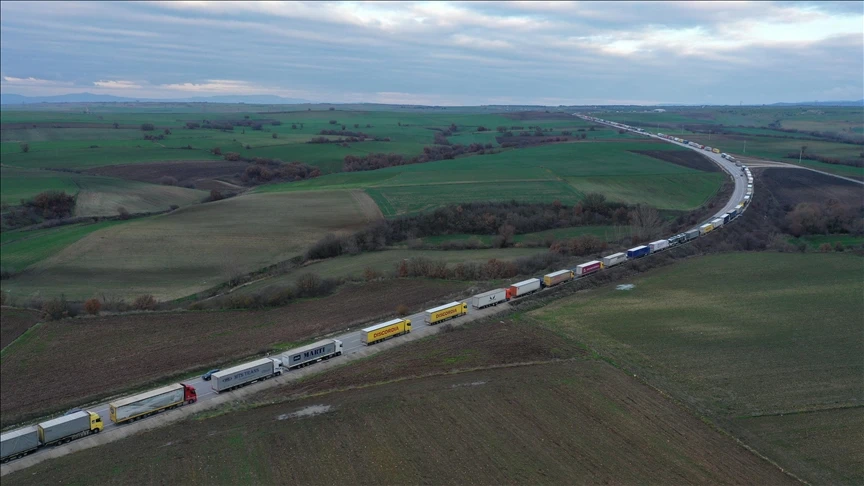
[
  {"x": 96, "y": 424},
  {"x": 189, "y": 393}
]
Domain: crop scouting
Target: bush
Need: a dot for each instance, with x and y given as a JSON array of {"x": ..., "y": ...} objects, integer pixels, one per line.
[
  {"x": 144, "y": 302},
  {"x": 25, "y": 147},
  {"x": 122, "y": 212},
  {"x": 825, "y": 247},
  {"x": 402, "y": 310},
  {"x": 56, "y": 308},
  {"x": 173, "y": 207},
  {"x": 147, "y": 127},
  {"x": 168, "y": 181},
  {"x": 92, "y": 306}
]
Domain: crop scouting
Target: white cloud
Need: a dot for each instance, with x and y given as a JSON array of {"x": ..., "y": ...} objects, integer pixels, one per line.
[
  {"x": 117, "y": 84},
  {"x": 479, "y": 43},
  {"x": 33, "y": 82}
]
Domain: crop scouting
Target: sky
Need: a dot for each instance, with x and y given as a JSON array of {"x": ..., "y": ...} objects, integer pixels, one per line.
[{"x": 439, "y": 53}]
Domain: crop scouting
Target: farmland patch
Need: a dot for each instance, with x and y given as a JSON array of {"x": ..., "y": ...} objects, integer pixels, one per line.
[
  {"x": 689, "y": 158},
  {"x": 185, "y": 172},
  {"x": 794, "y": 186},
  {"x": 15, "y": 322}
]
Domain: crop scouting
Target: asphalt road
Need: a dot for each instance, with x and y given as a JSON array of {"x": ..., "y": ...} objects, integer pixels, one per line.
[{"x": 353, "y": 348}]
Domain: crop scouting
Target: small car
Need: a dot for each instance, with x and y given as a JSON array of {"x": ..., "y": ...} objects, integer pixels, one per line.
[{"x": 209, "y": 374}]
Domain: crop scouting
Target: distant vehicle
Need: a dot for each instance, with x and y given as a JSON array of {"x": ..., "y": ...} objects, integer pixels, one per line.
[
  {"x": 386, "y": 330},
  {"x": 443, "y": 312},
  {"x": 209, "y": 374}
]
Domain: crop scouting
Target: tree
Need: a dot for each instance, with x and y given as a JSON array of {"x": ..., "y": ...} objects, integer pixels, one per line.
[
  {"x": 505, "y": 233},
  {"x": 25, "y": 147},
  {"x": 147, "y": 127},
  {"x": 168, "y": 180},
  {"x": 646, "y": 223},
  {"x": 116, "y": 125},
  {"x": 825, "y": 247},
  {"x": 217, "y": 151},
  {"x": 595, "y": 202},
  {"x": 215, "y": 195},
  {"x": 144, "y": 302},
  {"x": 92, "y": 306},
  {"x": 333, "y": 122},
  {"x": 122, "y": 212},
  {"x": 274, "y": 135}
]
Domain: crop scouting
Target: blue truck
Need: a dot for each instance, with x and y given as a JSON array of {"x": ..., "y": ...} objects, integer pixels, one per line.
[{"x": 638, "y": 252}]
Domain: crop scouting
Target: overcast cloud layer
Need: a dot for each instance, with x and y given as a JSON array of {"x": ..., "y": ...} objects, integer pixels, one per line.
[{"x": 439, "y": 53}]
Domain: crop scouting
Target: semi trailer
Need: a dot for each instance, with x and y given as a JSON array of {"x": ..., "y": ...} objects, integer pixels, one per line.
[
  {"x": 486, "y": 299},
  {"x": 244, "y": 374},
  {"x": 555, "y": 278},
  {"x": 386, "y": 330},
  {"x": 147, "y": 403},
  {"x": 311, "y": 353},
  {"x": 523, "y": 288},
  {"x": 443, "y": 312},
  {"x": 586, "y": 268},
  {"x": 638, "y": 252},
  {"x": 614, "y": 259},
  {"x": 19, "y": 443}
]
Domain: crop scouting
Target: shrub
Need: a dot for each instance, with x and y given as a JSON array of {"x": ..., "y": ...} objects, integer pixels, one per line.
[
  {"x": 333, "y": 122},
  {"x": 825, "y": 247},
  {"x": 173, "y": 207},
  {"x": 25, "y": 147},
  {"x": 168, "y": 181},
  {"x": 839, "y": 246},
  {"x": 275, "y": 135},
  {"x": 56, "y": 308},
  {"x": 147, "y": 127},
  {"x": 144, "y": 302},
  {"x": 402, "y": 310},
  {"x": 215, "y": 195},
  {"x": 92, "y": 306},
  {"x": 122, "y": 212}
]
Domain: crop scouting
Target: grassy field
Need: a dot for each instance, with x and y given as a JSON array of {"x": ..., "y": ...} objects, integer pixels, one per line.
[
  {"x": 384, "y": 262},
  {"x": 546, "y": 173},
  {"x": 24, "y": 248},
  {"x": 17, "y": 184},
  {"x": 817, "y": 240},
  {"x": 194, "y": 248},
  {"x": 148, "y": 348},
  {"x": 741, "y": 336},
  {"x": 559, "y": 422}
]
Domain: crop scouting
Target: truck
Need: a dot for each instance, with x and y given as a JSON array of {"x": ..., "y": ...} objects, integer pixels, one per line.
[
  {"x": 589, "y": 267},
  {"x": 614, "y": 259},
  {"x": 244, "y": 374},
  {"x": 18, "y": 443},
  {"x": 638, "y": 252},
  {"x": 312, "y": 353},
  {"x": 555, "y": 278},
  {"x": 726, "y": 217},
  {"x": 717, "y": 222},
  {"x": 691, "y": 234},
  {"x": 658, "y": 245},
  {"x": 144, "y": 404},
  {"x": 677, "y": 239},
  {"x": 706, "y": 228},
  {"x": 385, "y": 330},
  {"x": 69, "y": 427},
  {"x": 486, "y": 299},
  {"x": 443, "y": 312},
  {"x": 716, "y": 150},
  {"x": 524, "y": 287}
]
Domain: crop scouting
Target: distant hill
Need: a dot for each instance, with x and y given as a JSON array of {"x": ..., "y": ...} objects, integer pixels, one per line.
[
  {"x": 16, "y": 99},
  {"x": 822, "y": 103}
]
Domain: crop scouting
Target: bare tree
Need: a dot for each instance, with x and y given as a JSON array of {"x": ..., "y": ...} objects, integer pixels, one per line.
[{"x": 646, "y": 223}]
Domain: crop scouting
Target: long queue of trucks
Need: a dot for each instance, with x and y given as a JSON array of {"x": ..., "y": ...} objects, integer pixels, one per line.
[{"x": 79, "y": 424}]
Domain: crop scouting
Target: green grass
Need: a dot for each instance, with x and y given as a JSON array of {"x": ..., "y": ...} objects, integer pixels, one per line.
[
  {"x": 737, "y": 336},
  {"x": 17, "y": 184},
  {"x": 21, "y": 249},
  {"x": 817, "y": 240},
  {"x": 537, "y": 174}
]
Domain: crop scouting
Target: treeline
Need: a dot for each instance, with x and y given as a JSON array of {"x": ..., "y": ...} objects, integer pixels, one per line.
[
  {"x": 827, "y": 160},
  {"x": 306, "y": 286},
  {"x": 828, "y": 217},
  {"x": 354, "y": 163},
  {"x": 503, "y": 219},
  {"x": 48, "y": 205},
  {"x": 262, "y": 170}
]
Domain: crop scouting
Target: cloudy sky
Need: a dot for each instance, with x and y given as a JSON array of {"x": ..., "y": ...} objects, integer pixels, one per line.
[{"x": 439, "y": 53}]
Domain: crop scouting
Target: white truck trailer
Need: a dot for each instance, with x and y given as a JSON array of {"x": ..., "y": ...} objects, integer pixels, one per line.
[
  {"x": 244, "y": 374},
  {"x": 486, "y": 299}
]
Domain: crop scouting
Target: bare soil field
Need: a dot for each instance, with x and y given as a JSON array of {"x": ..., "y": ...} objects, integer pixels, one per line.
[
  {"x": 15, "y": 322},
  {"x": 564, "y": 423},
  {"x": 794, "y": 186},
  {"x": 540, "y": 115},
  {"x": 684, "y": 158},
  {"x": 115, "y": 353},
  {"x": 194, "y": 248},
  {"x": 185, "y": 171}
]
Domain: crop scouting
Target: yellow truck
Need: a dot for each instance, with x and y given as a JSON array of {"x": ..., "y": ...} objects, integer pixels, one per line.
[
  {"x": 716, "y": 151},
  {"x": 446, "y": 311},
  {"x": 386, "y": 330}
]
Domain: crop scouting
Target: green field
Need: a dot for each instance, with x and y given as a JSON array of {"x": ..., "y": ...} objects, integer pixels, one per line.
[
  {"x": 742, "y": 337},
  {"x": 194, "y": 248},
  {"x": 20, "y": 249},
  {"x": 17, "y": 184},
  {"x": 537, "y": 174},
  {"x": 817, "y": 240}
]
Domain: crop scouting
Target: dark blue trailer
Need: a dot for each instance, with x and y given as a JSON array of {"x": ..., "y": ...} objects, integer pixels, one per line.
[{"x": 638, "y": 252}]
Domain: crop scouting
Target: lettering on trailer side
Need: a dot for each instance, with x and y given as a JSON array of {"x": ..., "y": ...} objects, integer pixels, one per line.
[
  {"x": 446, "y": 312},
  {"x": 314, "y": 352},
  {"x": 389, "y": 330},
  {"x": 242, "y": 374}
]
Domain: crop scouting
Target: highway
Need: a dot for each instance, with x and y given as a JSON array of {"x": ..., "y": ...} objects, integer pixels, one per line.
[{"x": 353, "y": 348}]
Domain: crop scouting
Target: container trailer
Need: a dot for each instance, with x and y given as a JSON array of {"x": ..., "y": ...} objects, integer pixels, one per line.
[
  {"x": 244, "y": 374},
  {"x": 311, "y": 353},
  {"x": 486, "y": 299},
  {"x": 638, "y": 252},
  {"x": 524, "y": 287},
  {"x": 444, "y": 312},
  {"x": 706, "y": 228},
  {"x": 69, "y": 427},
  {"x": 691, "y": 234},
  {"x": 555, "y": 278},
  {"x": 589, "y": 267},
  {"x": 717, "y": 222},
  {"x": 658, "y": 245},
  {"x": 19, "y": 443},
  {"x": 614, "y": 259},
  {"x": 147, "y": 403},
  {"x": 386, "y": 330}
]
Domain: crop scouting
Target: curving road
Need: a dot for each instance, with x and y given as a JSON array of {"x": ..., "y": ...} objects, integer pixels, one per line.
[{"x": 353, "y": 348}]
